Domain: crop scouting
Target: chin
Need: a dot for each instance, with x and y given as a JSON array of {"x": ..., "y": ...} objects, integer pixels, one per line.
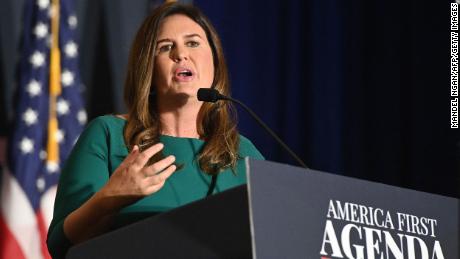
[{"x": 187, "y": 90}]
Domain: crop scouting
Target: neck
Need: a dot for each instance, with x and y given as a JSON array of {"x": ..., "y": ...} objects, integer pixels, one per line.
[{"x": 178, "y": 117}]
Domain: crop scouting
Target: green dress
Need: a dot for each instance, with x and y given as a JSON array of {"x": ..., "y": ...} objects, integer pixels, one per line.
[{"x": 100, "y": 150}]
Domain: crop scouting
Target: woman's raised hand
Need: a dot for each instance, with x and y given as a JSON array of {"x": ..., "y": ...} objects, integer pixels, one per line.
[{"x": 132, "y": 179}]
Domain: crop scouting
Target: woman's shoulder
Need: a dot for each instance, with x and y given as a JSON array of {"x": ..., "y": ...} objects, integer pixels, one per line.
[
  {"x": 245, "y": 141},
  {"x": 247, "y": 148},
  {"x": 106, "y": 121},
  {"x": 99, "y": 132},
  {"x": 109, "y": 119},
  {"x": 102, "y": 126}
]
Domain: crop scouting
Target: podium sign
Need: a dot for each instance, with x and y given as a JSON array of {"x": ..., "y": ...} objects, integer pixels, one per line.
[
  {"x": 290, "y": 212},
  {"x": 301, "y": 213}
]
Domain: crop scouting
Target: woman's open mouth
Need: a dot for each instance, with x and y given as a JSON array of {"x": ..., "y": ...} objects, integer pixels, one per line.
[{"x": 183, "y": 74}]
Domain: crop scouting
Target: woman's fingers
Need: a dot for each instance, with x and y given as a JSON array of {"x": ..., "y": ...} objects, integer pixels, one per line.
[
  {"x": 144, "y": 156},
  {"x": 135, "y": 179},
  {"x": 159, "y": 166},
  {"x": 144, "y": 180},
  {"x": 130, "y": 158},
  {"x": 156, "y": 181}
]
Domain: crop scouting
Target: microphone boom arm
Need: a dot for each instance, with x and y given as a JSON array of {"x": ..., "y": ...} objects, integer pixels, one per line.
[{"x": 261, "y": 123}]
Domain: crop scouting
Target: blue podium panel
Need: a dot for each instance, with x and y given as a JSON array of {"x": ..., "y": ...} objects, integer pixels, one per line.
[{"x": 301, "y": 213}]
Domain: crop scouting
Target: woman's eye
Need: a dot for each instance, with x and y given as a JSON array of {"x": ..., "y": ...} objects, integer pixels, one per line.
[
  {"x": 193, "y": 44},
  {"x": 165, "y": 48}
]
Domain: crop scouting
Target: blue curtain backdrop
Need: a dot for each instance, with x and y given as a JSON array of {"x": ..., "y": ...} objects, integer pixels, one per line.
[
  {"x": 355, "y": 87},
  {"x": 359, "y": 88}
]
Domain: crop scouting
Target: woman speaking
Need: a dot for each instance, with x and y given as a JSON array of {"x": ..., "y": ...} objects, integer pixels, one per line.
[{"x": 169, "y": 149}]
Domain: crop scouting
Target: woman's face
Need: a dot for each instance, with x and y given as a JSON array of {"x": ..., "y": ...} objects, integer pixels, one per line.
[{"x": 183, "y": 58}]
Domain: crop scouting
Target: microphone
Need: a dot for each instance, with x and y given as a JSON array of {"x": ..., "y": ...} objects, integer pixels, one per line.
[{"x": 212, "y": 95}]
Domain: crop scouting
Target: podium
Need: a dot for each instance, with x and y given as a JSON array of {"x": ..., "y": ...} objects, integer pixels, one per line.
[{"x": 290, "y": 212}]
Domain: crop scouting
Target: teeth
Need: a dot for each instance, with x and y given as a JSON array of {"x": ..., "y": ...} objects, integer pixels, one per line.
[{"x": 185, "y": 73}]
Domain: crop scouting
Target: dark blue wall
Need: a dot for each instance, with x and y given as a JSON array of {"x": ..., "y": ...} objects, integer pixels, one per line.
[{"x": 359, "y": 88}]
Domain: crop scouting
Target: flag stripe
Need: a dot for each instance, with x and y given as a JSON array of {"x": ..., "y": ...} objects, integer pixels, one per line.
[
  {"x": 9, "y": 247},
  {"x": 43, "y": 230},
  {"x": 47, "y": 204},
  {"x": 20, "y": 217}
]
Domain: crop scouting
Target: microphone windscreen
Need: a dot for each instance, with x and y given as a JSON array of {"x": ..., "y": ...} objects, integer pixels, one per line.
[{"x": 208, "y": 95}]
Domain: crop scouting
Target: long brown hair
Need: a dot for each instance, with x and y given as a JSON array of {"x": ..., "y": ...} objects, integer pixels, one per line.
[{"x": 216, "y": 122}]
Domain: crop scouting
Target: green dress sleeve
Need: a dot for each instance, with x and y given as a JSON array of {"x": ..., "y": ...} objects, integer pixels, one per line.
[{"x": 84, "y": 173}]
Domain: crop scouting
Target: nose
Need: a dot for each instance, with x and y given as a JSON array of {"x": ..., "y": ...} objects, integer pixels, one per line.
[{"x": 179, "y": 53}]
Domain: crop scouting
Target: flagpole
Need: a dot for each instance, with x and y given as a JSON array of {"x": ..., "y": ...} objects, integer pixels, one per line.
[{"x": 54, "y": 86}]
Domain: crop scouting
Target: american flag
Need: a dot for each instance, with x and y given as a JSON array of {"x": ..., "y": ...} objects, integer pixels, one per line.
[{"x": 49, "y": 118}]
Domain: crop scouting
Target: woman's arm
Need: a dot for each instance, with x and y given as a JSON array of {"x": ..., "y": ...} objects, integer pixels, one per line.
[{"x": 130, "y": 182}]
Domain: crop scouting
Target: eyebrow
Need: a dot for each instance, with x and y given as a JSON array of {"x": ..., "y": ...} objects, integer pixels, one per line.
[
  {"x": 186, "y": 36},
  {"x": 192, "y": 35}
]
